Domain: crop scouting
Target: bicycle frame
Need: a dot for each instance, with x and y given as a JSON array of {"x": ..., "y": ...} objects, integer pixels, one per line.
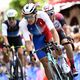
[
  {"x": 55, "y": 69},
  {"x": 50, "y": 57},
  {"x": 16, "y": 63},
  {"x": 14, "y": 55},
  {"x": 54, "y": 61}
]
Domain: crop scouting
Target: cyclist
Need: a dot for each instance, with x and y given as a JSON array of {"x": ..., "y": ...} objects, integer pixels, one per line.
[
  {"x": 11, "y": 33},
  {"x": 59, "y": 23},
  {"x": 40, "y": 26}
]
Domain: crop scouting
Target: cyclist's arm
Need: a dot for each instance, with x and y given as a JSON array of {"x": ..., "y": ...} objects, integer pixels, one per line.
[
  {"x": 67, "y": 29},
  {"x": 4, "y": 33},
  {"x": 26, "y": 34},
  {"x": 23, "y": 29},
  {"x": 63, "y": 23},
  {"x": 51, "y": 27}
]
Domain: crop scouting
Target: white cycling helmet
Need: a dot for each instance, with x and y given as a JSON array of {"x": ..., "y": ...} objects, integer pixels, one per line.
[
  {"x": 47, "y": 7},
  {"x": 29, "y": 8},
  {"x": 11, "y": 13}
]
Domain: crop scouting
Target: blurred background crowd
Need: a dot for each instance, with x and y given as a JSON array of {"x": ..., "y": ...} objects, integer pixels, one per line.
[{"x": 71, "y": 12}]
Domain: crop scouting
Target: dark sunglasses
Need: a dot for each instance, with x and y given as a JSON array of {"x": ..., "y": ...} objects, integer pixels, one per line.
[
  {"x": 11, "y": 18},
  {"x": 50, "y": 12},
  {"x": 29, "y": 16}
]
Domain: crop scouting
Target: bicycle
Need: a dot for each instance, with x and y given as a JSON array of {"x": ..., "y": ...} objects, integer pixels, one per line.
[
  {"x": 16, "y": 71},
  {"x": 56, "y": 72}
]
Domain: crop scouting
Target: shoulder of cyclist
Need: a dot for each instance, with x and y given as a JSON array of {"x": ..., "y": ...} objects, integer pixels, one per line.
[
  {"x": 60, "y": 18},
  {"x": 43, "y": 15}
]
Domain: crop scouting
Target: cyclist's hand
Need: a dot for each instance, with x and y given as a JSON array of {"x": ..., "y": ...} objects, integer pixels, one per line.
[
  {"x": 32, "y": 57},
  {"x": 6, "y": 45},
  {"x": 29, "y": 46},
  {"x": 59, "y": 49}
]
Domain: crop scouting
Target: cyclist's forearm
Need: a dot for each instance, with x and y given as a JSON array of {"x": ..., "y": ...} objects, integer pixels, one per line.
[
  {"x": 55, "y": 36},
  {"x": 5, "y": 40}
]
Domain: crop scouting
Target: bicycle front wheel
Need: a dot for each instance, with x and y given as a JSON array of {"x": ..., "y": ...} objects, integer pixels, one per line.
[
  {"x": 53, "y": 71},
  {"x": 19, "y": 70},
  {"x": 16, "y": 70}
]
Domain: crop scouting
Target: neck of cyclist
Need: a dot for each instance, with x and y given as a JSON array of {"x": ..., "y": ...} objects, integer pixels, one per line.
[{"x": 52, "y": 17}]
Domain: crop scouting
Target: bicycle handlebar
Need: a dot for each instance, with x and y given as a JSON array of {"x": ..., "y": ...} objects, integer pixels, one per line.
[
  {"x": 13, "y": 47},
  {"x": 50, "y": 45}
]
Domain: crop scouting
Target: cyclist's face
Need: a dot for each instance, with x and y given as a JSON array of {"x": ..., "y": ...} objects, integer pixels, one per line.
[
  {"x": 11, "y": 21},
  {"x": 51, "y": 15},
  {"x": 30, "y": 18}
]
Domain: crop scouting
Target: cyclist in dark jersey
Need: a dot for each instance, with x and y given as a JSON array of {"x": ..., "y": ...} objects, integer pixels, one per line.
[
  {"x": 60, "y": 24},
  {"x": 11, "y": 32}
]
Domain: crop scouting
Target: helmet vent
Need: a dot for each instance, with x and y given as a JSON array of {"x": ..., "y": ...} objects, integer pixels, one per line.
[
  {"x": 27, "y": 7},
  {"x": 23, "y": 10},
  {"x": 32, "y": 9}
]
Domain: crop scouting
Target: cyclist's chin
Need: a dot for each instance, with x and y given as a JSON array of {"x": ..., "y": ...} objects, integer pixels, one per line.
[
  {"x": 12, "y": 24},
  {"x": 30, "y": 23}
]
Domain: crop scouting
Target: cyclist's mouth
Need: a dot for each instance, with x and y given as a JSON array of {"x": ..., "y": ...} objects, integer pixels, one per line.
[{"x": 30, "y": 22}]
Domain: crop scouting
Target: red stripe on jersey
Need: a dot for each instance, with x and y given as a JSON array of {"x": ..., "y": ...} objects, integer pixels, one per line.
[{"x": 46, "y": 30}]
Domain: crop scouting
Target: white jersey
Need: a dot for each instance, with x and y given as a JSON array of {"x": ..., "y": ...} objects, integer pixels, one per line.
[
  {"x": 40, "y": 14},
  {"x": 5, "y": 28}
]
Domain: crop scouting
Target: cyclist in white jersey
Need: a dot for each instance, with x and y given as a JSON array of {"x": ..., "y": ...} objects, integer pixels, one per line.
[
  {"x": 11, "y": 33},
  {"x": 40, "y": 26}
]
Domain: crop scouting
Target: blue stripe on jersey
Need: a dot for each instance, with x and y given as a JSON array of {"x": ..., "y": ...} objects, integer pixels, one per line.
[
  {"x": 14, "y": 34},
  {"x": 39, "y": 42},
  {"x": 38, "y": 38},
  {"x": 35, "y": 29}
]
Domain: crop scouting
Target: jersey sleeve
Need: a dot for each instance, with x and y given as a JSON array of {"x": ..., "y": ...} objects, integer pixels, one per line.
[
  {"x": 45, "y": 17},
  {"x": 23, "y": 29},
  {"x": 57, "y": 24},
  {"x": 60, "y": 18},
  {"x": 4, "y": 29}
]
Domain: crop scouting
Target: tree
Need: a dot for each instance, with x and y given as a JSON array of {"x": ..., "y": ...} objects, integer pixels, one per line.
[{"x": 18, "y": 4}]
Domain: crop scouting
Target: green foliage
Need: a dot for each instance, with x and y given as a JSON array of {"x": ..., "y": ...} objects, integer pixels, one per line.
[
  {"x": 42, "y": 2},
  {"x": 18, "y": 4}
]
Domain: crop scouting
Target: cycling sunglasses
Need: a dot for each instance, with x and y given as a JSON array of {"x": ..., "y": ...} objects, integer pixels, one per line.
[
  {"x": 11, "y": 18},
  {"x": 29, "y": 16},
  {"x": 50, "y": 12}
]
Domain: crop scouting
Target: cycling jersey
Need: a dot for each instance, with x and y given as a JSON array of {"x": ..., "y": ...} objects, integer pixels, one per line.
[
  {"x": 40, "y": 30},
  {"x": 7, "y": 30},
  {"x": 58, "y": 23},
  {"x": 40, "y": 14},
  {"x": 12, "y": 33},
  {"x": 60, "y": 18},
  {"x": 59, "y": 29}
]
